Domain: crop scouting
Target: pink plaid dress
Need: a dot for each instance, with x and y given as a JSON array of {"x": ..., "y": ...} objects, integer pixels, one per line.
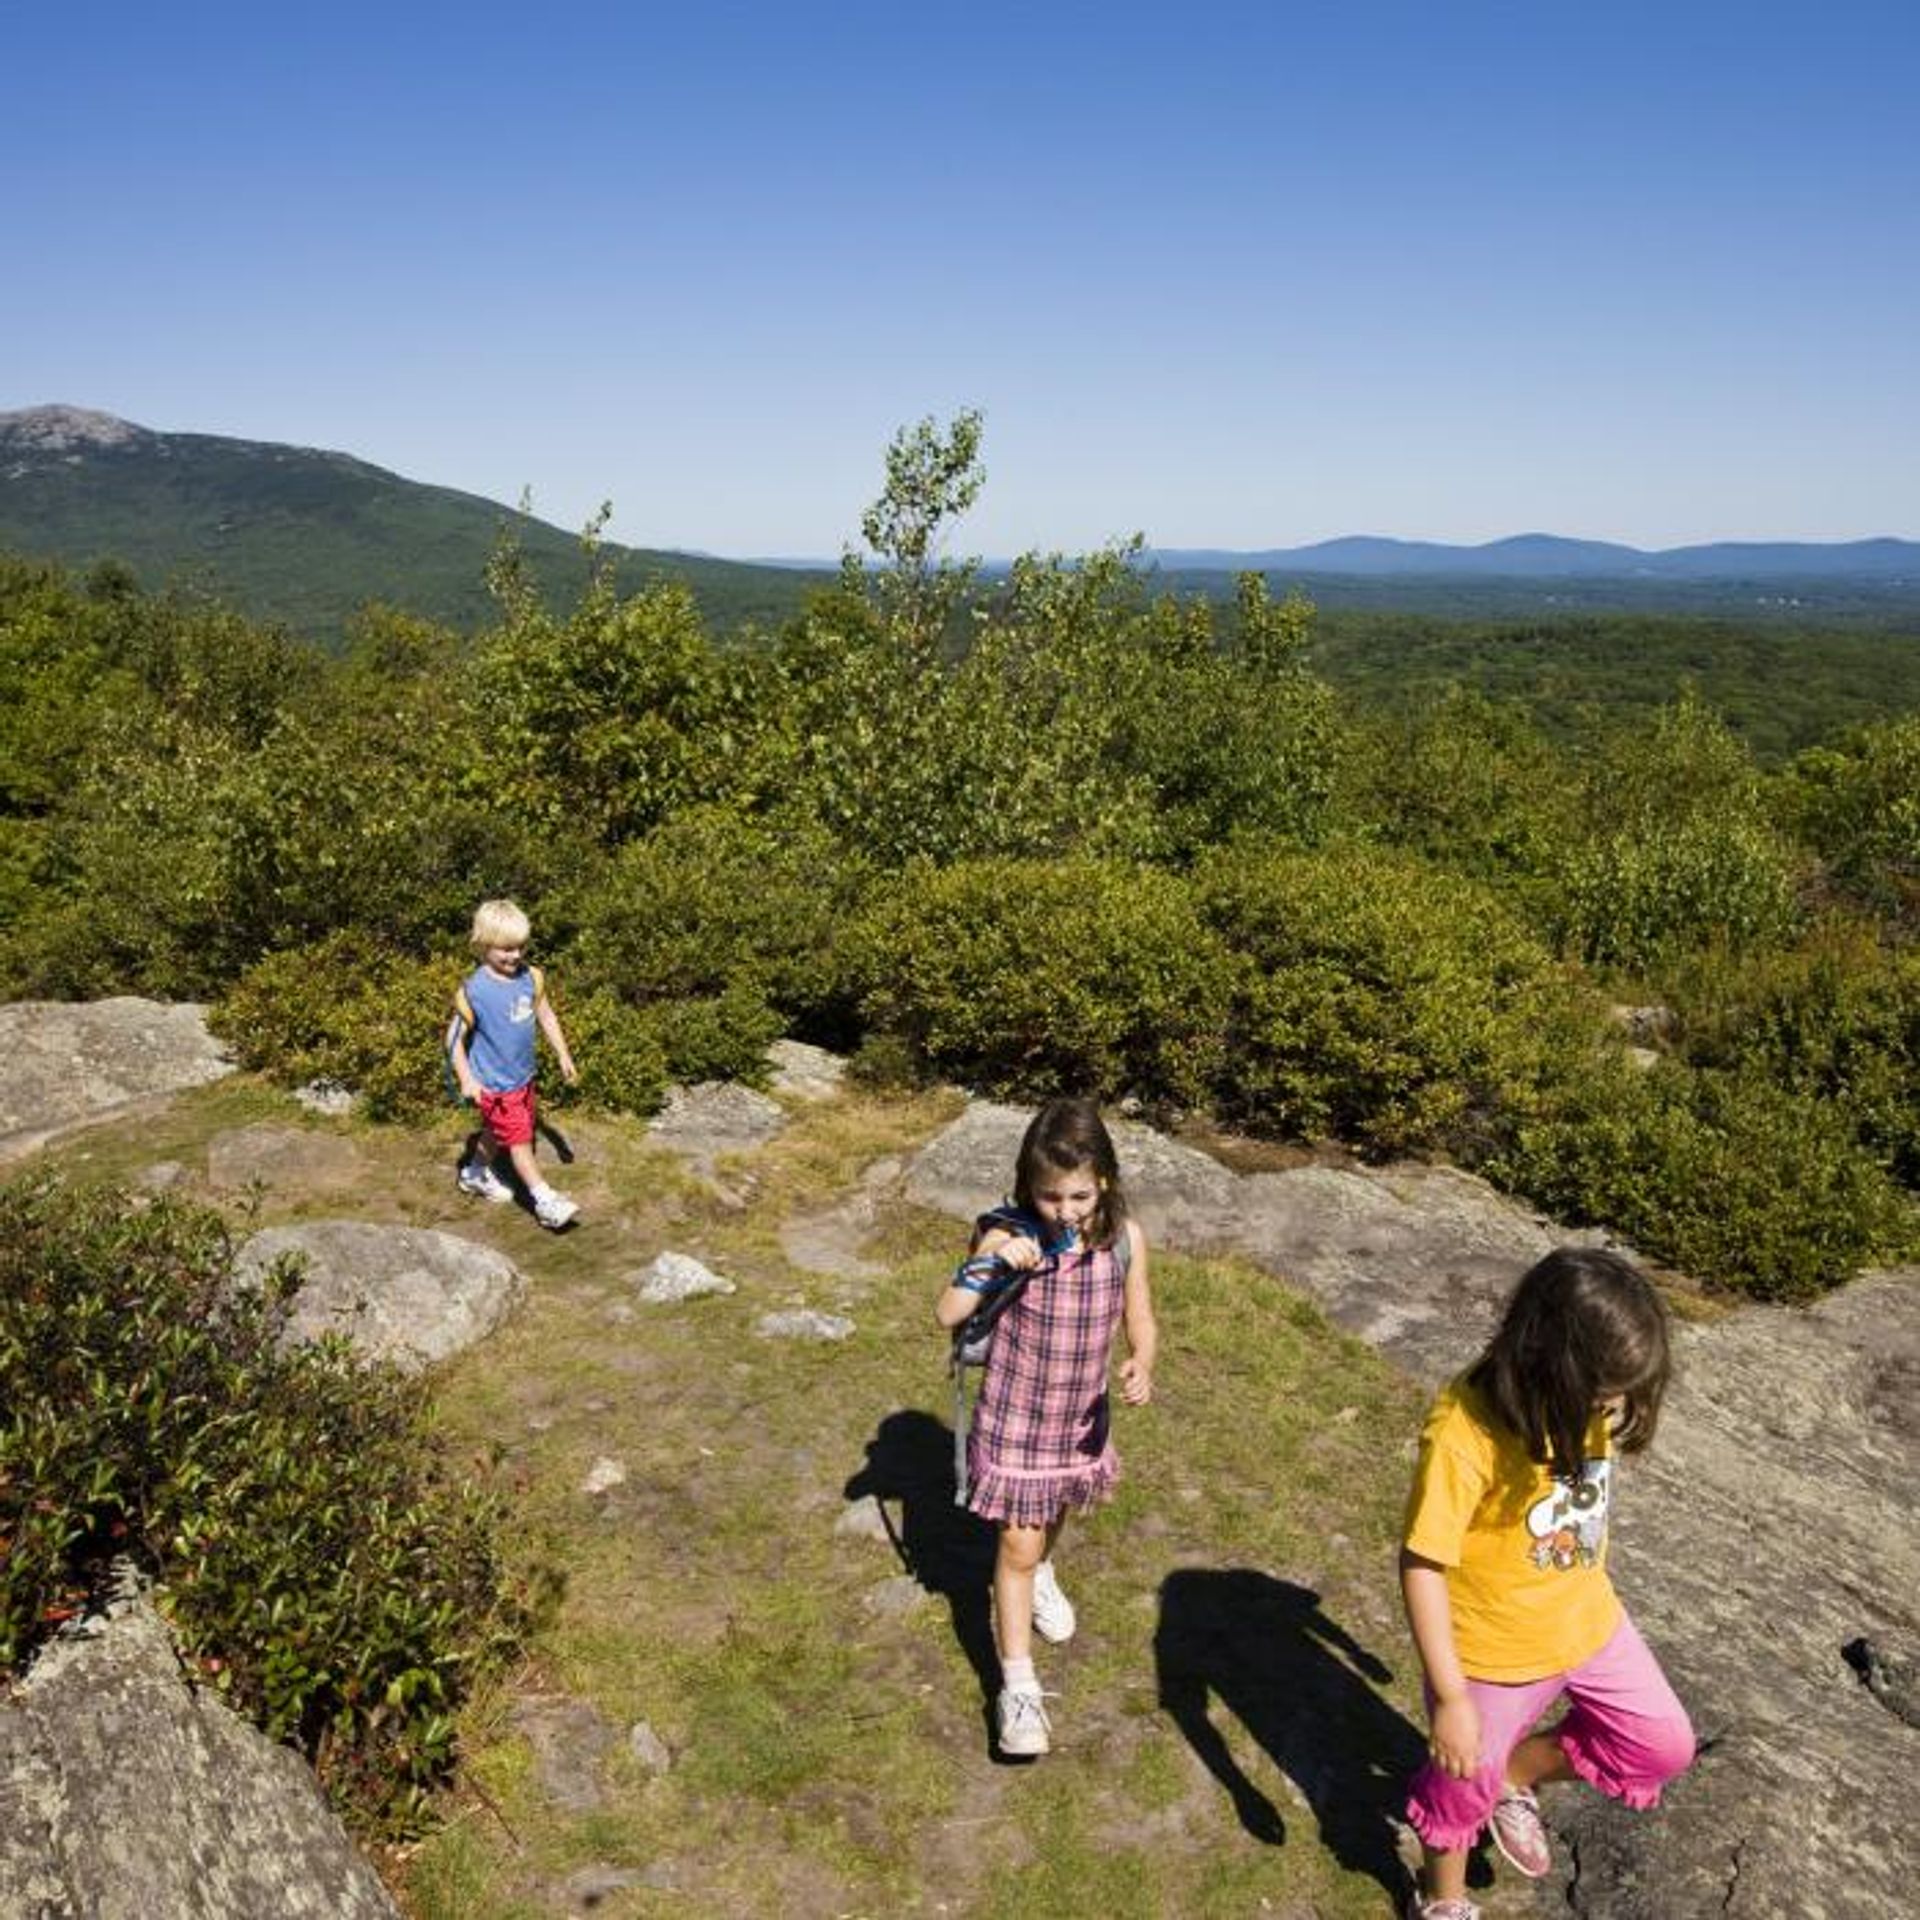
[{"x": 1039, "y": 1443}]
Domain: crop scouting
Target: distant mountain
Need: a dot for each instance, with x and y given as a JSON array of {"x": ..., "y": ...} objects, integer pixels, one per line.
[
  {"x": 301, "y": 536},
  {"x": 1546, "y": 556}
]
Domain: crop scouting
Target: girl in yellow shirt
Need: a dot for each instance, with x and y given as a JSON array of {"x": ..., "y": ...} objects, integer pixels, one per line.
[{"x": 1504, "y": 1572}]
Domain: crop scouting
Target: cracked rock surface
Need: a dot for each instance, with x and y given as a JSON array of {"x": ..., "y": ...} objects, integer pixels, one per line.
[{"x": 126, "y": 1794}]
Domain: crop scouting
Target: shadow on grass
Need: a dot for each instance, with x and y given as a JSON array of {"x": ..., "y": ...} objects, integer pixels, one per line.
[
  {"x": 1304, "y": 1689},
  {"x": 947, "y": 1549}
]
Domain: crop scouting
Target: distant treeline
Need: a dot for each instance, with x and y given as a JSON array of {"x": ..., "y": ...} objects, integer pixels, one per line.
[{"x": 1124, "y": 841}]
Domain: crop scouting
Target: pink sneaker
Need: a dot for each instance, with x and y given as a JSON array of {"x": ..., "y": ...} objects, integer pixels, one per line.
[{"x": 1520, "y": 1833}]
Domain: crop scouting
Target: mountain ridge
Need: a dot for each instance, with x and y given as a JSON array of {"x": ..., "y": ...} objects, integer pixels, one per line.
[{"x": 306, "y": 535}]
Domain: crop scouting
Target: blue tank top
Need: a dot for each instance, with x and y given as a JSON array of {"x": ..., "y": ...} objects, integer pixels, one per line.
[{"x": 500, "y": 1031}]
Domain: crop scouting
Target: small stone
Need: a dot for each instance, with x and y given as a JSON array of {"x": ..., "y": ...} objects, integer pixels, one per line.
[
  {"x": 894, "y": 1599},
  {"x": 603, "y": 1476},
  {"x": 162, "y": 1175},
  {"x": 803, "y": 1323},
  {"x": 327, "y": 1097},
  {"x": 648, "y": 1748},
  {"x": 677, "y": 1276},
  {"x": 863, "y": 1519}
]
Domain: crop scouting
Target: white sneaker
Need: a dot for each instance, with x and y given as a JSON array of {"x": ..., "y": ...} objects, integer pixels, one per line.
[
  {"x": 479, "y": 1179},
  {"x": 1025, "y": 1730},
  {"x": 555, "y": 1210},
  {"x": 1053, "y": 1615}
]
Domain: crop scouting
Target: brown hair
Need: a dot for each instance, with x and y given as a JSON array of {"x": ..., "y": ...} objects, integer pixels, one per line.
[
  {"x": 1064, "y": 1135},
  {"x": 1583, "y": 1325}
]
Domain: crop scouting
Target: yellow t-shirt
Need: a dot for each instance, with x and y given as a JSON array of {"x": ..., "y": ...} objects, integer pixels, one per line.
[{"x": 1525, "y": 1552}]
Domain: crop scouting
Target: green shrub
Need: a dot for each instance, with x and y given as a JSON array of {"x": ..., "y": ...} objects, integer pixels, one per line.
[
  {"x": 609, "y": 721},
  {"x": 344, "y": 1010},
  {"x": 1637, "y": 898},
  {"x": 1858, "y": 805},
  {"x": 320, "y": 1570},
  {"x": 623, "y": 1065},
  {"x": 712, "y": 903},
  {"x": 1471, "y": 784},
  {"x": 1678, "y": 851},
  {"x": 628, "y": 1054},
  {"x": 1384, "y": 1002},
  {"x": 1725, "y": 1175},
  {"x": 1035, "y": 977},
  {"x": 1835, "y": 1019}
]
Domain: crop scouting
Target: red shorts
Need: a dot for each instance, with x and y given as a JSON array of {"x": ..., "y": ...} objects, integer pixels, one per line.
[{"x": 508, "y": 1117}]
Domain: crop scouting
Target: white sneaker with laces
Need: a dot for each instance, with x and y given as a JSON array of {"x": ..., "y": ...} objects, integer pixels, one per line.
[
  {"x": 479, "y": 1179},
  {"x": 1025, "y": 1730},
  {"x": 1053, "y": 1615},
  {"x": 555, "y": 1210}
]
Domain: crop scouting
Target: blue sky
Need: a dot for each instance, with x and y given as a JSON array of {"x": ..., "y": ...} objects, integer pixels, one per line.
[{"x": 1224, "y": 275}]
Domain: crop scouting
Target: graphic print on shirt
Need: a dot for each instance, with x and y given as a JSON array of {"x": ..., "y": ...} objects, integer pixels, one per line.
[{"x": 1568, "y": 1527}]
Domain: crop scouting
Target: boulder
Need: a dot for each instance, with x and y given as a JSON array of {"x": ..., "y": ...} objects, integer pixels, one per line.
[
  {"x": 407, "y": 1295},
  {"x": 715, "y": 1117},
  {"x": 284, "y": 1157},
  {"x": 126, "y": 1794},
  {"x": 69, "y": 1064}
]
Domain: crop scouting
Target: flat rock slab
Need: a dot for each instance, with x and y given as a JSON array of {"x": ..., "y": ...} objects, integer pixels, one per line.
[
  {"x": 715, "y": 1117},
  {"x": 803, "y": 1323},
  {"x": 285, "y": 1157},
  {"x": 72, "y": 1063},
  {"x": 569, "y": 1741},
  {"x": 1413, "y": 1259},
  {"x": 802, "y": 1072},
  {"x": 407, "y": 1295},
  {"x": 1768, "y": 1528},
  {"x": 126, "y": 1794}
]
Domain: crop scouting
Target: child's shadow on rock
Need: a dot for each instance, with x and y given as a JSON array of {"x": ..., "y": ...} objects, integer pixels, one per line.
[
  {"x": 1303, "y": 1688},
  {"x": 947, "y": 1549}
]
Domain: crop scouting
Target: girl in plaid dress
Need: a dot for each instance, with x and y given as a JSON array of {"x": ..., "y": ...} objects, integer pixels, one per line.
[{"x": 1040, "y": 1445}]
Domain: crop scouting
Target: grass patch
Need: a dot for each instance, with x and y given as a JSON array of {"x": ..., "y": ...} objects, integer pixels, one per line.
[{"x": 828, "y": 1736}]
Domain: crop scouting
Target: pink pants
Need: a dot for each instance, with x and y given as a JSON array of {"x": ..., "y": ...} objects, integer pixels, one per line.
[{"x": 1624, "y": 1732}]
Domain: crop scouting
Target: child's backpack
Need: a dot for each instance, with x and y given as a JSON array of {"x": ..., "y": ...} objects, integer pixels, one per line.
[{"x": 973, "y": 1338}]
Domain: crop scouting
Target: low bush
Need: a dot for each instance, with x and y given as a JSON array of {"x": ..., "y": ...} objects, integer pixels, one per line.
[
  {"x": 1383, "y": 1002},
  {"x": 1035, "y": 977},
  {"x": 1835, "y": 1019},
  {"x": 1857, "y": 803},
  {"x": 320, "y": 1569},
  {"x": 1638, "y": 898},
  {"x": 1737, "y": 1181},
  {"x": 340, "y": 1010},
  {"x": 713, "y": 903}
]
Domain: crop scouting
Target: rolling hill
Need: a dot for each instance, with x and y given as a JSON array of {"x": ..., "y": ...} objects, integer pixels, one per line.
[{"x": 301, "y": 536}]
